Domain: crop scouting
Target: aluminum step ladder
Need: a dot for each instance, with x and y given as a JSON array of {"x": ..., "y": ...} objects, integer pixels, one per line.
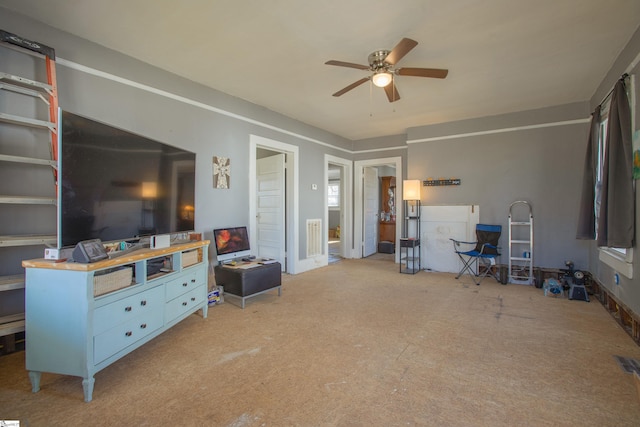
[
  {"x": 23, "y": 132},
  {"x": 520, "y": 243}
]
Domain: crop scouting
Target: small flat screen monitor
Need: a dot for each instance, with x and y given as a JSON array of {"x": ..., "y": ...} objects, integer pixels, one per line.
[{"x": 231, "y": 243}]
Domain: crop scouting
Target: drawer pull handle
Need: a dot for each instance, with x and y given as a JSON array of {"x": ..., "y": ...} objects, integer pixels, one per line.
[
  {"x": 127, "y": 308},
  {"x": 184, "y": 303},
  {"x": 185, "y": 284},
  {"x": 143, "y": 326},
  {"x": 193, "y": 298},
  {"x": 128, "y": 333},
  {"x": 143, "y": 303},
  {"x": 193, "y": 280}
]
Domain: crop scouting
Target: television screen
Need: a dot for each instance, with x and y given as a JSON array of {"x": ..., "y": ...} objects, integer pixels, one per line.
[
  {"x": 116, "y": 185},
  {"x": 231, "y": 243}
]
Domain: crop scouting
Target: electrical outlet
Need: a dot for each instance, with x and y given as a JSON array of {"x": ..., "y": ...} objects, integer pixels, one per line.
[{"x": 314, "y": 186}]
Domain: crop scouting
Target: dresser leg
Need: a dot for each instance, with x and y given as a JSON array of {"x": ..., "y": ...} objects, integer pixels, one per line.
[
  {"x": 87, "y": 386},
  {"x": 34, "y": 377}
]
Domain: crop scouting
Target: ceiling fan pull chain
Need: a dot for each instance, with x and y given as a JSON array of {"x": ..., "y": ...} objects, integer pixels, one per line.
[
  {"x": 370, "y": 98},
  {"x": 395, "y": 92}
]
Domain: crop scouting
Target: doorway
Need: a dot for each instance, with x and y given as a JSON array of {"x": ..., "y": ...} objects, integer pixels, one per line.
[
  {"x": 274, "y": 224},
  {"x": 338, "y": 208},
  {"x": 334, "y": 190},
  {"x": 363, "y": 232}
]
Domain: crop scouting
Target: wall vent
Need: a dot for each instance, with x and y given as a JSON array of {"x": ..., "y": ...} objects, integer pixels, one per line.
[{"x": 314, "y": 237}]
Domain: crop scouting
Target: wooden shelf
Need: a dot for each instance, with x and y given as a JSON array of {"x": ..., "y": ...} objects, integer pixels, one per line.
[
  {"x": 28, "y": 160},
  {"x": 9, "y": 283},
  {"x": 25, "y": 121},
  {"x": 38, "y": 97},
  {"x": 11, "y": 324},
  {"x": 28, "y": 200},
  {"x": 23, "y": 83},
  {"x": 129, "y": 258},
  {"x": 28, "y": 240}
]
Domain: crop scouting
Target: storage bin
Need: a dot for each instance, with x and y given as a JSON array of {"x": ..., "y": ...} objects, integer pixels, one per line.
[
  {"x": 386, "y": 247},
  {"x": 191, "y": 257},
  {"x": 112, "y": 280}
]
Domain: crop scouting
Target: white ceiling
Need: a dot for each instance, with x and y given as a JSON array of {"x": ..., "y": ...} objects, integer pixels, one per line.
[{"x": 502, "y": 55}]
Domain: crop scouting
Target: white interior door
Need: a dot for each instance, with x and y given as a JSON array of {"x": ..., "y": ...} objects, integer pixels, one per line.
[
  {"x": 438, "y": 225},
  {"x": 270, "y": 216},
  {"x": 371, "y": 204}
]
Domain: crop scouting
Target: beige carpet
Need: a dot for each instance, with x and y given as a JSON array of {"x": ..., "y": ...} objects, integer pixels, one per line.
[{"x": 358, "y": 344}]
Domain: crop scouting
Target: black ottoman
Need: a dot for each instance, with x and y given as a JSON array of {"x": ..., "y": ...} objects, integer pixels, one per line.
[{"x": 248, "y": 280}]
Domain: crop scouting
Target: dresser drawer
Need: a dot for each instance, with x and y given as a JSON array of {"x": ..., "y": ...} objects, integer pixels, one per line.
[
  {"x": 185, "y": 283},
  {"x": 110, "y": 315},
  {"x": 185, "y": 302},
  {"x": 123, "y": 335}
]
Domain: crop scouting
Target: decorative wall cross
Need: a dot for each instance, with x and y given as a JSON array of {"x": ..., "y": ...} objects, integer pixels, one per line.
[{"x": 221, "y": 172}]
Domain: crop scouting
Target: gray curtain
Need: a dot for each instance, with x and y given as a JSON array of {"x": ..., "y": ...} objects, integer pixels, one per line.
[
  {"x": 587, "y": 215},
  {"x": 616, "y": 219}
]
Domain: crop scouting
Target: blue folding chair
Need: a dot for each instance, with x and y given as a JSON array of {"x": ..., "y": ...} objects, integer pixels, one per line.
[{"x": 478, "y": 262}]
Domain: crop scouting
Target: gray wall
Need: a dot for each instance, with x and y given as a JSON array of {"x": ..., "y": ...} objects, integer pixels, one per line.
[
  {"x": 334, "y": 218},
  {"x": 539, "y": 163},
  {"x": 542, "y": 166}
]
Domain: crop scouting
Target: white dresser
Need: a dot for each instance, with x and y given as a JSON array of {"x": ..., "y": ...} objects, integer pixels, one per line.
[{"x": 72, "y": 331}]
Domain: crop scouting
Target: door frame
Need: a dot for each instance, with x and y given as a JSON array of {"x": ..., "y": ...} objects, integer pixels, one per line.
[
  {"x": 358, "y": 214},
  {"x": 290, "y": 199},
  {"x": 346, "y": 204}
]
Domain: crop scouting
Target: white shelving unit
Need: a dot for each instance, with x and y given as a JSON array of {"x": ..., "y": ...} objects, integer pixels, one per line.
[{"x": 23, "y": 130}]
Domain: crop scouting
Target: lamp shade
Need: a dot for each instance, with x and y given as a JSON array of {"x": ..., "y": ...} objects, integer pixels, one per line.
[
  {"x": 382, "y": 79},
  {"x": 411, "y": 189},
  {"x": 149, "y": 190}
]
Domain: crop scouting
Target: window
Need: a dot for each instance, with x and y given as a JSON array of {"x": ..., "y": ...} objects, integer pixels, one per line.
[
  {"x": 333, "y": 194},
  {"x": 602, "y": 145},
  {"x": 620, "y": 259}
]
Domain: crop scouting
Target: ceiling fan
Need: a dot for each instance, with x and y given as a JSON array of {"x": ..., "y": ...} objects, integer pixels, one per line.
[{"x": 382, "y": 66}]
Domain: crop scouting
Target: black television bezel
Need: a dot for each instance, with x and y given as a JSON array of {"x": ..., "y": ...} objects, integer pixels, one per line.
[{"x": 65, "y": 243}]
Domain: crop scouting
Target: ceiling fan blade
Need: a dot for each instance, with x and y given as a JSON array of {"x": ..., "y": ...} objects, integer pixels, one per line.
[
  {"x": 351, "y": 86},
  {"x": 400, "y": 50},
  {"x": 392, "y": 92},
  {"x": 347, "y": 64},
  {"x": 436, "y": 73}
]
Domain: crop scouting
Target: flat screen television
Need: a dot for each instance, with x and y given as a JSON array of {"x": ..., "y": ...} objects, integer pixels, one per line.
[
  {"x": 231, "y": 243},
  {"x": 115, "y": 185}
]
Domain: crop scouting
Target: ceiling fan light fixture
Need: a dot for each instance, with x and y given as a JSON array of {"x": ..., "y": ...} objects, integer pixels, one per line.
[
  {"x": 382, "y": 67},
  {"x": 382, "y": 78}
]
